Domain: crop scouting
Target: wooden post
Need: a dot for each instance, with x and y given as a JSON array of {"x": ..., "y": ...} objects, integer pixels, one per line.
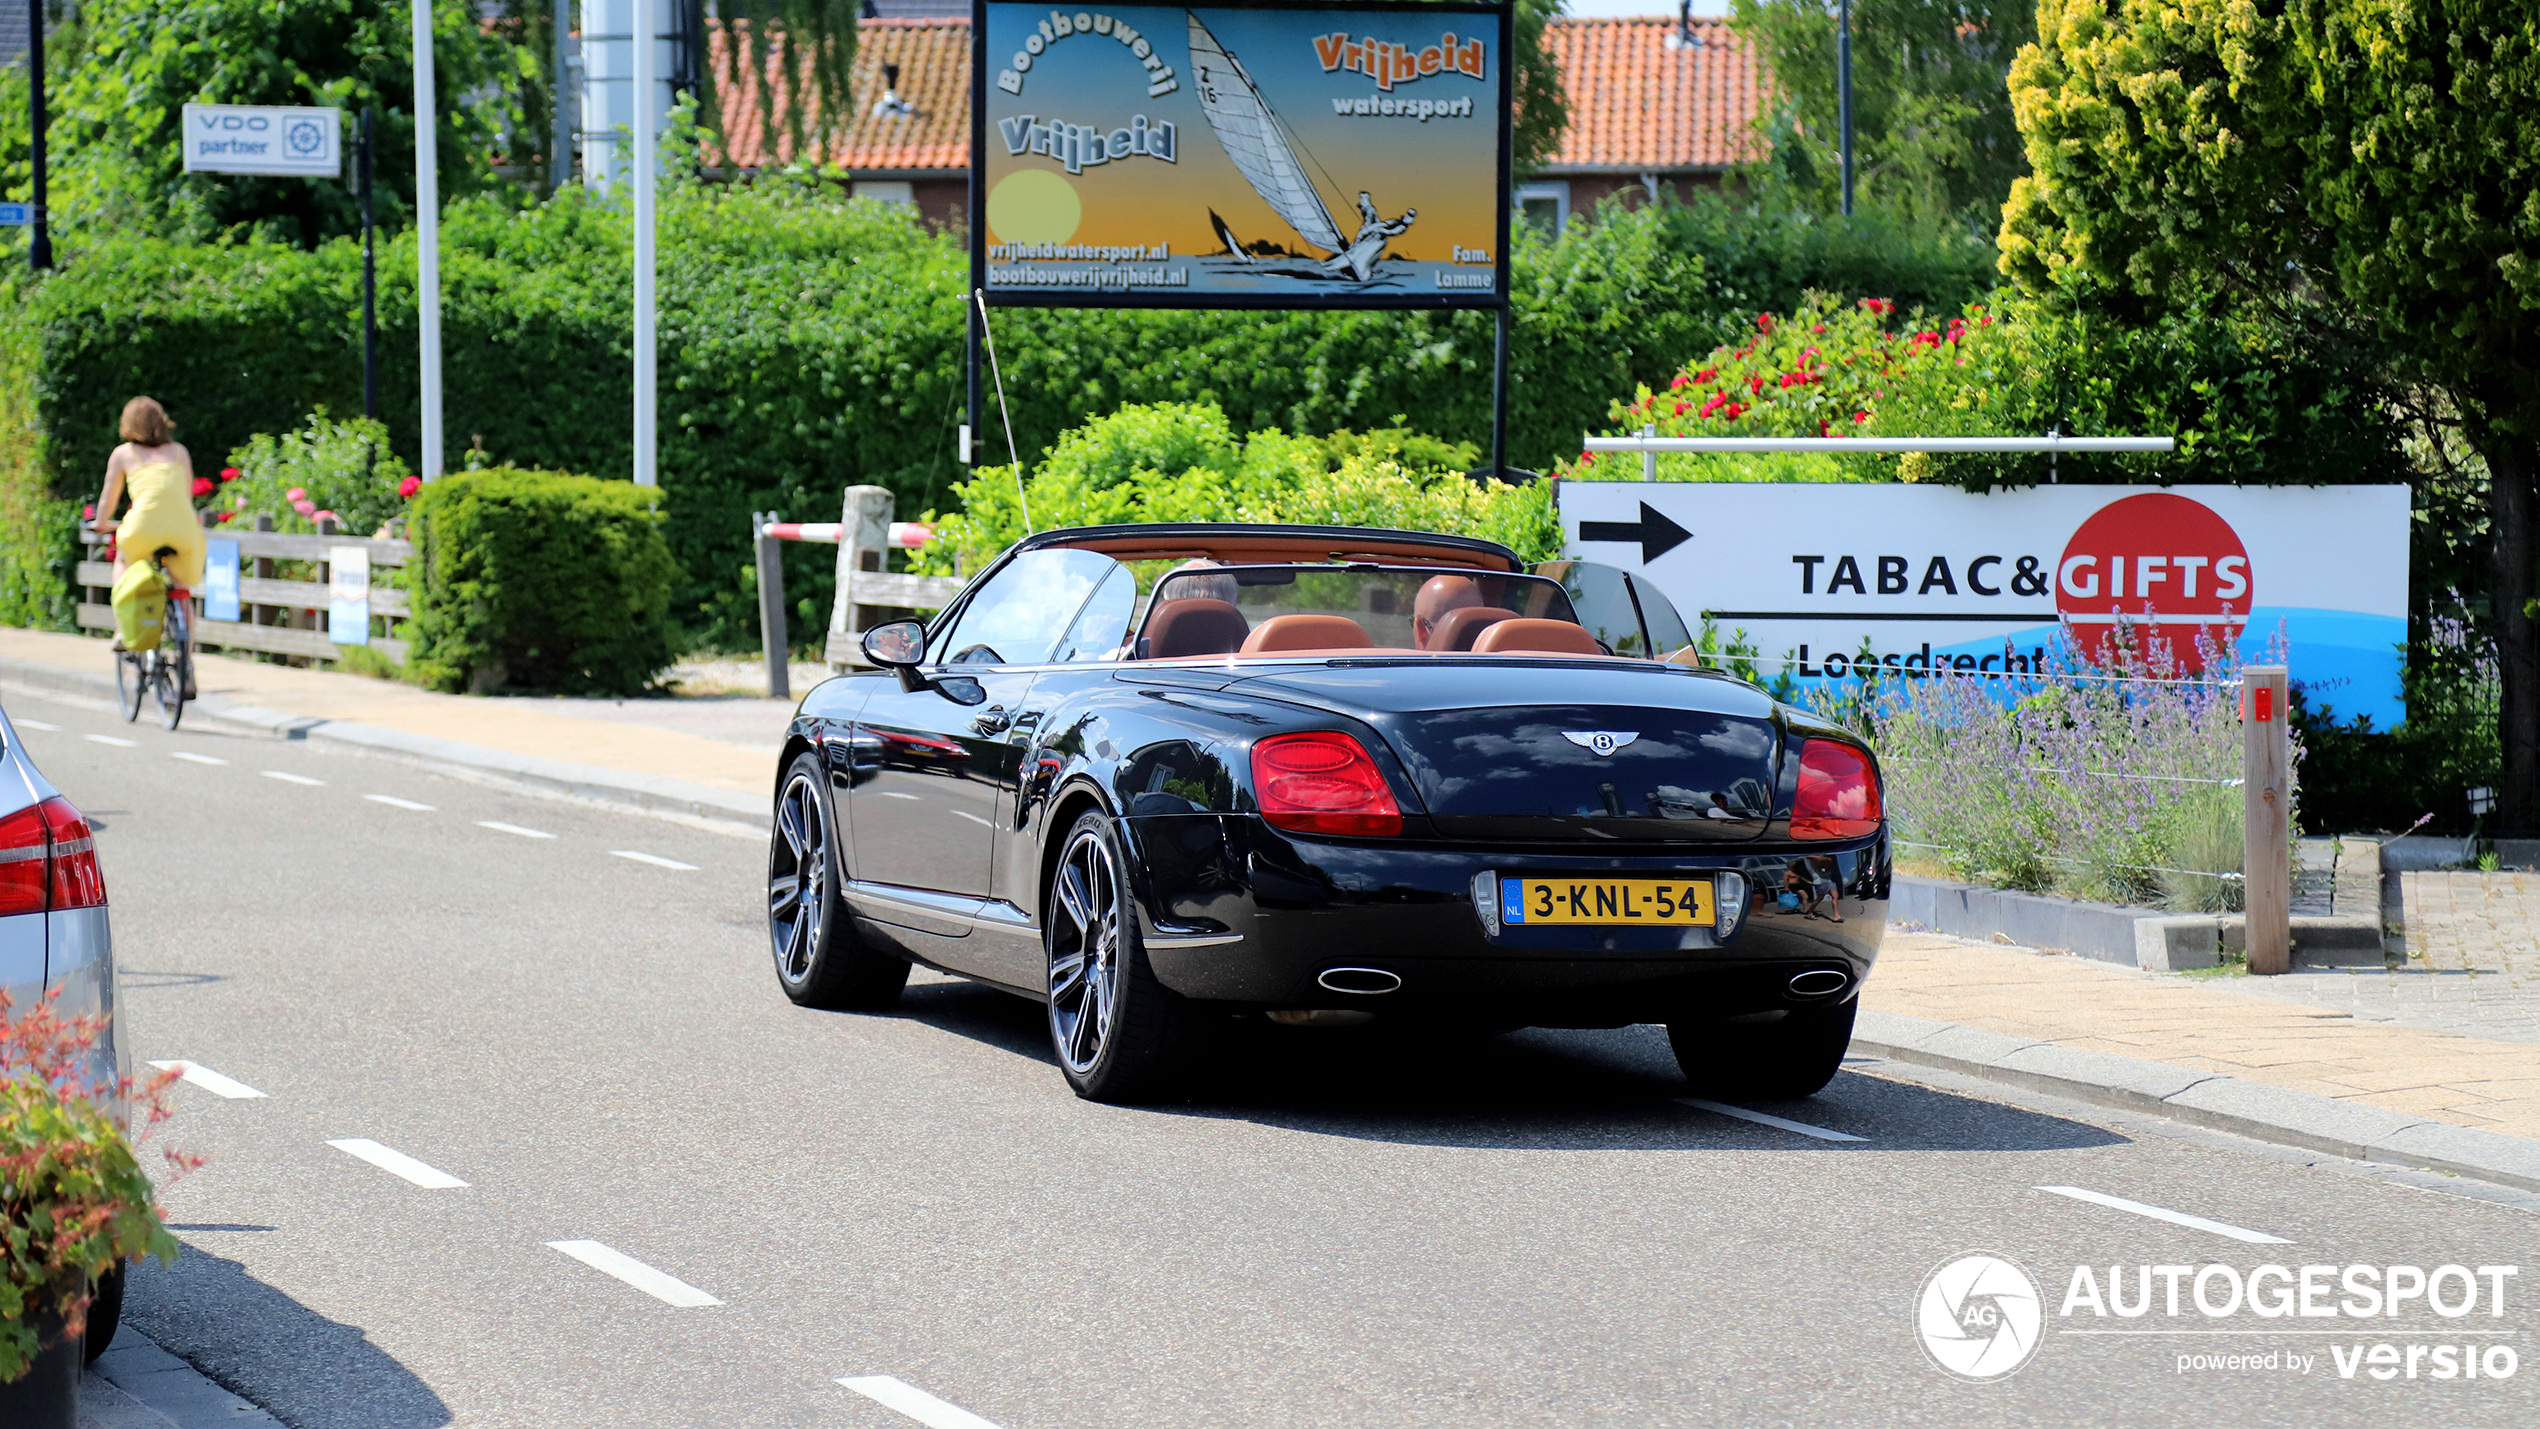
[
  {"x": 864, "y": 547},
  {"x": 2266, "y": 771},
  {"x": 771, "y": 607}
]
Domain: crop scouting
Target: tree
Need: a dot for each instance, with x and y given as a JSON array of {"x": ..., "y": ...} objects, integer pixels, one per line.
[
  {"x": 2344, "y": 165},
  {"x": 124, "y": 70},
  {"x": 1932, "y": 130}
]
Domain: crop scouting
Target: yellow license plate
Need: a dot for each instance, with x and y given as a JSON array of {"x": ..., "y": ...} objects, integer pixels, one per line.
[{"x": 1542, "y": 902}]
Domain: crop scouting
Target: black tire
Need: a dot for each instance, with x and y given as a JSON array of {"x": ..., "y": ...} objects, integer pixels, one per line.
[
  {"x": 1120, "y": 1035},
  {"x": 105, "y": 1311},
  {"x": 1781, "y": 1059},
  {"x": 166, "y": 692},
  {"x": 130, "y": 682},
  {"x": 820, "y": 962}
]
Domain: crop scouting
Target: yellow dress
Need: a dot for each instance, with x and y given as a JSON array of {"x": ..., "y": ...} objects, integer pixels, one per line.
[{"x": 162, "y": 515}]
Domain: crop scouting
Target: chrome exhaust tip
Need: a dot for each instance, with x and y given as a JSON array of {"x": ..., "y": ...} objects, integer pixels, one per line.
[
  {"x": 1819, "y": 982},
  {"x": 1366, "y": 982}
]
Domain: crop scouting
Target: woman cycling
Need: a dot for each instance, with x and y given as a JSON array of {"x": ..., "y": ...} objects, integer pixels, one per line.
[{"x": 156, "y": 471}]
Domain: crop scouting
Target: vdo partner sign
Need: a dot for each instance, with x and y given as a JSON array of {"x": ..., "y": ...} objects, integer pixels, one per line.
[
  {"x": 1851, "y": 582},
  {"x": 263, "y": 139},
  {"x": 1235, "y": 155}
]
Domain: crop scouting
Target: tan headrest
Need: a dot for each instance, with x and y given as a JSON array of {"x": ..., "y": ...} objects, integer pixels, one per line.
[
  {"x": 1306, "y": 632},
  {"x": 1457, "y": 628},
  {"x": 1552, "y": 637}
]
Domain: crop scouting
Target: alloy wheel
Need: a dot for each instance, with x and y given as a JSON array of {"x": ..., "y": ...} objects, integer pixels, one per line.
[
  {"x": 797, "y": 879},
  {"x": 1085, "y": 972}
]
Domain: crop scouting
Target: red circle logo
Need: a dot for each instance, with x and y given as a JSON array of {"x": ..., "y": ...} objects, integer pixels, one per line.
[{"x": 2168, "y": 565}]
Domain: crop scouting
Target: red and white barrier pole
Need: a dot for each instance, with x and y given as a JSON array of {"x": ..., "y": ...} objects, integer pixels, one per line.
[{"x": 907, "y": 535}]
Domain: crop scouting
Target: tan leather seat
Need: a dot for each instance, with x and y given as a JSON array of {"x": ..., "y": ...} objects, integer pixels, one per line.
[
  {"x": 1457, "y": 629},
  {"x": 1180, "y": 629},
  {"x": 1306, "y": 632},
  {"x": 1544, "y": 637}
]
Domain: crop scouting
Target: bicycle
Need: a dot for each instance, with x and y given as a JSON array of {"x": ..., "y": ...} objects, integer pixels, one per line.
[{"x": 166, "y": 673}]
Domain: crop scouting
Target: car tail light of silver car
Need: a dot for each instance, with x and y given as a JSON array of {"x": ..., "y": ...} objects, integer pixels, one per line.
[
  {"x": 1322, "y": 783},
  {"x": 1838, "y": 796},
  {"x": 48, "y": 860}
]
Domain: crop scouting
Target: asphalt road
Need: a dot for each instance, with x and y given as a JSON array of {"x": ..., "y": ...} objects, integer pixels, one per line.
[{"x": 1342, "y": 1228}]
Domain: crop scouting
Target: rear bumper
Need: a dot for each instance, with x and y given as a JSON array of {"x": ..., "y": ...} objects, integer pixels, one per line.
[{"x": 1240, "y": 913}]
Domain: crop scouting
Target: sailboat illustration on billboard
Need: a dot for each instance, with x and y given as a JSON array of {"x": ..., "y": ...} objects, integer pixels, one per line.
[{"x": 1266, "y": 154}]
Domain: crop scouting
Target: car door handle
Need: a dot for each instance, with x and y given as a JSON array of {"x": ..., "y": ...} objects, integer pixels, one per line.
[{"x": 991, "y": 720}]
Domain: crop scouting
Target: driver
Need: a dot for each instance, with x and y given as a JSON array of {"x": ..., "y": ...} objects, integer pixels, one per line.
[{"x": 1437, "y": 599}]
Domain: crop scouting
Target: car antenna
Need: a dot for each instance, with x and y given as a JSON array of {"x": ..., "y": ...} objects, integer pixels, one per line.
[{"x": 981, "y": 298}]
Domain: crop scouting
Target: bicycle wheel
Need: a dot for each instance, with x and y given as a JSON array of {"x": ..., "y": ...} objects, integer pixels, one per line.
[
  {"x": 130, "y": 680},
  {"x": 176, "y": 667}
]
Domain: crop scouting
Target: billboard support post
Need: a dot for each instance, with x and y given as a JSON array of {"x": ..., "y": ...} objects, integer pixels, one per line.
[
  {"x": 2266, "y": 860},
  {"x": 1499, "y": 395}
]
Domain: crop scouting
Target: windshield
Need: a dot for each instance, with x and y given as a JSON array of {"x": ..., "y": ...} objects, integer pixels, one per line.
[{"x": 1205, "y": 609}]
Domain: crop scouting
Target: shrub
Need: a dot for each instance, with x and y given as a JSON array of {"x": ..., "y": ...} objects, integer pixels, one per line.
[
  {"x": 1183, "y": 462},
  {"x": 343, "y": 469},
  {"x": 2098, "y": 780},
  {"x": 538, "y": 580},
  {"x": 73, "y": 1198}
]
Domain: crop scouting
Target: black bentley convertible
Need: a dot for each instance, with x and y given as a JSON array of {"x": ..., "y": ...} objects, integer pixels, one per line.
[{"x": 1157, "y": 776}]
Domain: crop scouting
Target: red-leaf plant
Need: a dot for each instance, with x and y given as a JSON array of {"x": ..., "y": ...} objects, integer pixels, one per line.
[{"x": 73, "y": 1197}]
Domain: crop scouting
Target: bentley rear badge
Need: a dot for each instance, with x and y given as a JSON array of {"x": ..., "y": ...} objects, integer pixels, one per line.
[{"x": 1603, "y": 741}]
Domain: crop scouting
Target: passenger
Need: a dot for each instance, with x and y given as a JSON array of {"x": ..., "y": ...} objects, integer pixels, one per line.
[
  {"x": 1441, "y": 596},
  {"x": 1183, "y": 586}
]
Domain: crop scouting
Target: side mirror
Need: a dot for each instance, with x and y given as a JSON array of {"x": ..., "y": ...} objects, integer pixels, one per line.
[{"x": 898, "y": 645}]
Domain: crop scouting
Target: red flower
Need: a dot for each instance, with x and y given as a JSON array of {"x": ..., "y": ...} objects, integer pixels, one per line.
[
  {"x": 1680, "y": 381},
  {"x": 408, "y": 487},
  {"x": 1763, "y": 322},
  {"x": 1586, "y": 457},
  {"x": 88, "y": 512},
  {"x": 1680, "y": 408},
  {"x": 1717, "y": 400},
  {"x": 230, "y": 473},
  {"x": 221, "y": 518},
  {"x": 1755, "y": 386},
  {"x": 1860, "y": 416},
  {"x": 1730, "y": 412},
  {"x": 1705, "y": 375},
  {"x": 205, "y": 486}
]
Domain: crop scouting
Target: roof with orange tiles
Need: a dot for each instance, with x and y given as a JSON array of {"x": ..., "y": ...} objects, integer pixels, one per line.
[
  {"x": 934, "y": 65},
  {"x": 1637, "y": 102},
  {"x": 1640, "y": 103}
]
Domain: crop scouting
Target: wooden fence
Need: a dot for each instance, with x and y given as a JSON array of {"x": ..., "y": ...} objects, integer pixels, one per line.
[{"x": 279, "y": 617}]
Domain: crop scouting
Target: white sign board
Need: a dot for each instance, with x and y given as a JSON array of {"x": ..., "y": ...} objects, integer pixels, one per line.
[
  {"x": 348, "y": 594},
  {"x": 263, "y": 139},
  {"x": 1836, "y": 577}
]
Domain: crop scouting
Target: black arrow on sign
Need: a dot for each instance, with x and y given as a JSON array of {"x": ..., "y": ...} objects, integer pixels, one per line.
[{"x": 1656, "y": 534}]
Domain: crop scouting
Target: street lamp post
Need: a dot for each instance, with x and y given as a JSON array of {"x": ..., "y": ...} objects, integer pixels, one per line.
[
  {"x": 1843, "y": 94},
  {"x": 40, "y": 237}
]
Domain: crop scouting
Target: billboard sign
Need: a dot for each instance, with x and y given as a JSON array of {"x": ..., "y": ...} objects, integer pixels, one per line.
[
  {"x": 264, "y": 139},
  {"x": 1837, "y": 579},
  {"x": 1237, "y": 155}
]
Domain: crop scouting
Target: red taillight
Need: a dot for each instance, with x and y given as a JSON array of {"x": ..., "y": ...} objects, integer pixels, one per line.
[
  {"x": 1322, "y": 784},
  {"x": 1838, "y": 796},
  {"x": 48, "y": 860},
  {"x": 76, "y": 881}
]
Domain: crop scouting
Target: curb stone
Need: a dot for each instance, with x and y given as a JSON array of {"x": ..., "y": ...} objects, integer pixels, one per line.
[
  {"x": 2244, "y": 1108},
  {"x": 137, "y": 1385},
  {"x": 589, "y": 781}
]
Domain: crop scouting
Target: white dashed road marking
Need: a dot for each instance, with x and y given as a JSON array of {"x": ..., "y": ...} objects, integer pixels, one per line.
[
  {"x": 292, "y": 778},
  {"x": 37, "y": 724},
  {"x": 668, "y": 1289},
  {"x": 916, "y": 1403},
  {"x": 397, "y": 1163},
  {"x": 392, "y": 801},
  {"x": 887, "y": 793},
  {"x": 192, "y": 758},
  {"x": 114, "y": 740},
  {"x": 2176, "y": 1218},
  {"x": 974, "y": 818},
  {"x": 502, "y": 828},
  {"x": 655, "y": 860},
  {"x": 1765, "y": 1118},
  {"x": 208, "y": 1079}
]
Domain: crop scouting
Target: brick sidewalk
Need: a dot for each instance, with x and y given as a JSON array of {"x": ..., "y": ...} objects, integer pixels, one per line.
[{"x": 2202, "y": 1024}]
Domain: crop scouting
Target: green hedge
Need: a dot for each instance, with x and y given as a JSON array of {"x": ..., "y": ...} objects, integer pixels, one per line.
[
  {"x": 809, "y": 343},
  {"x": 541, "y": 581}
]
